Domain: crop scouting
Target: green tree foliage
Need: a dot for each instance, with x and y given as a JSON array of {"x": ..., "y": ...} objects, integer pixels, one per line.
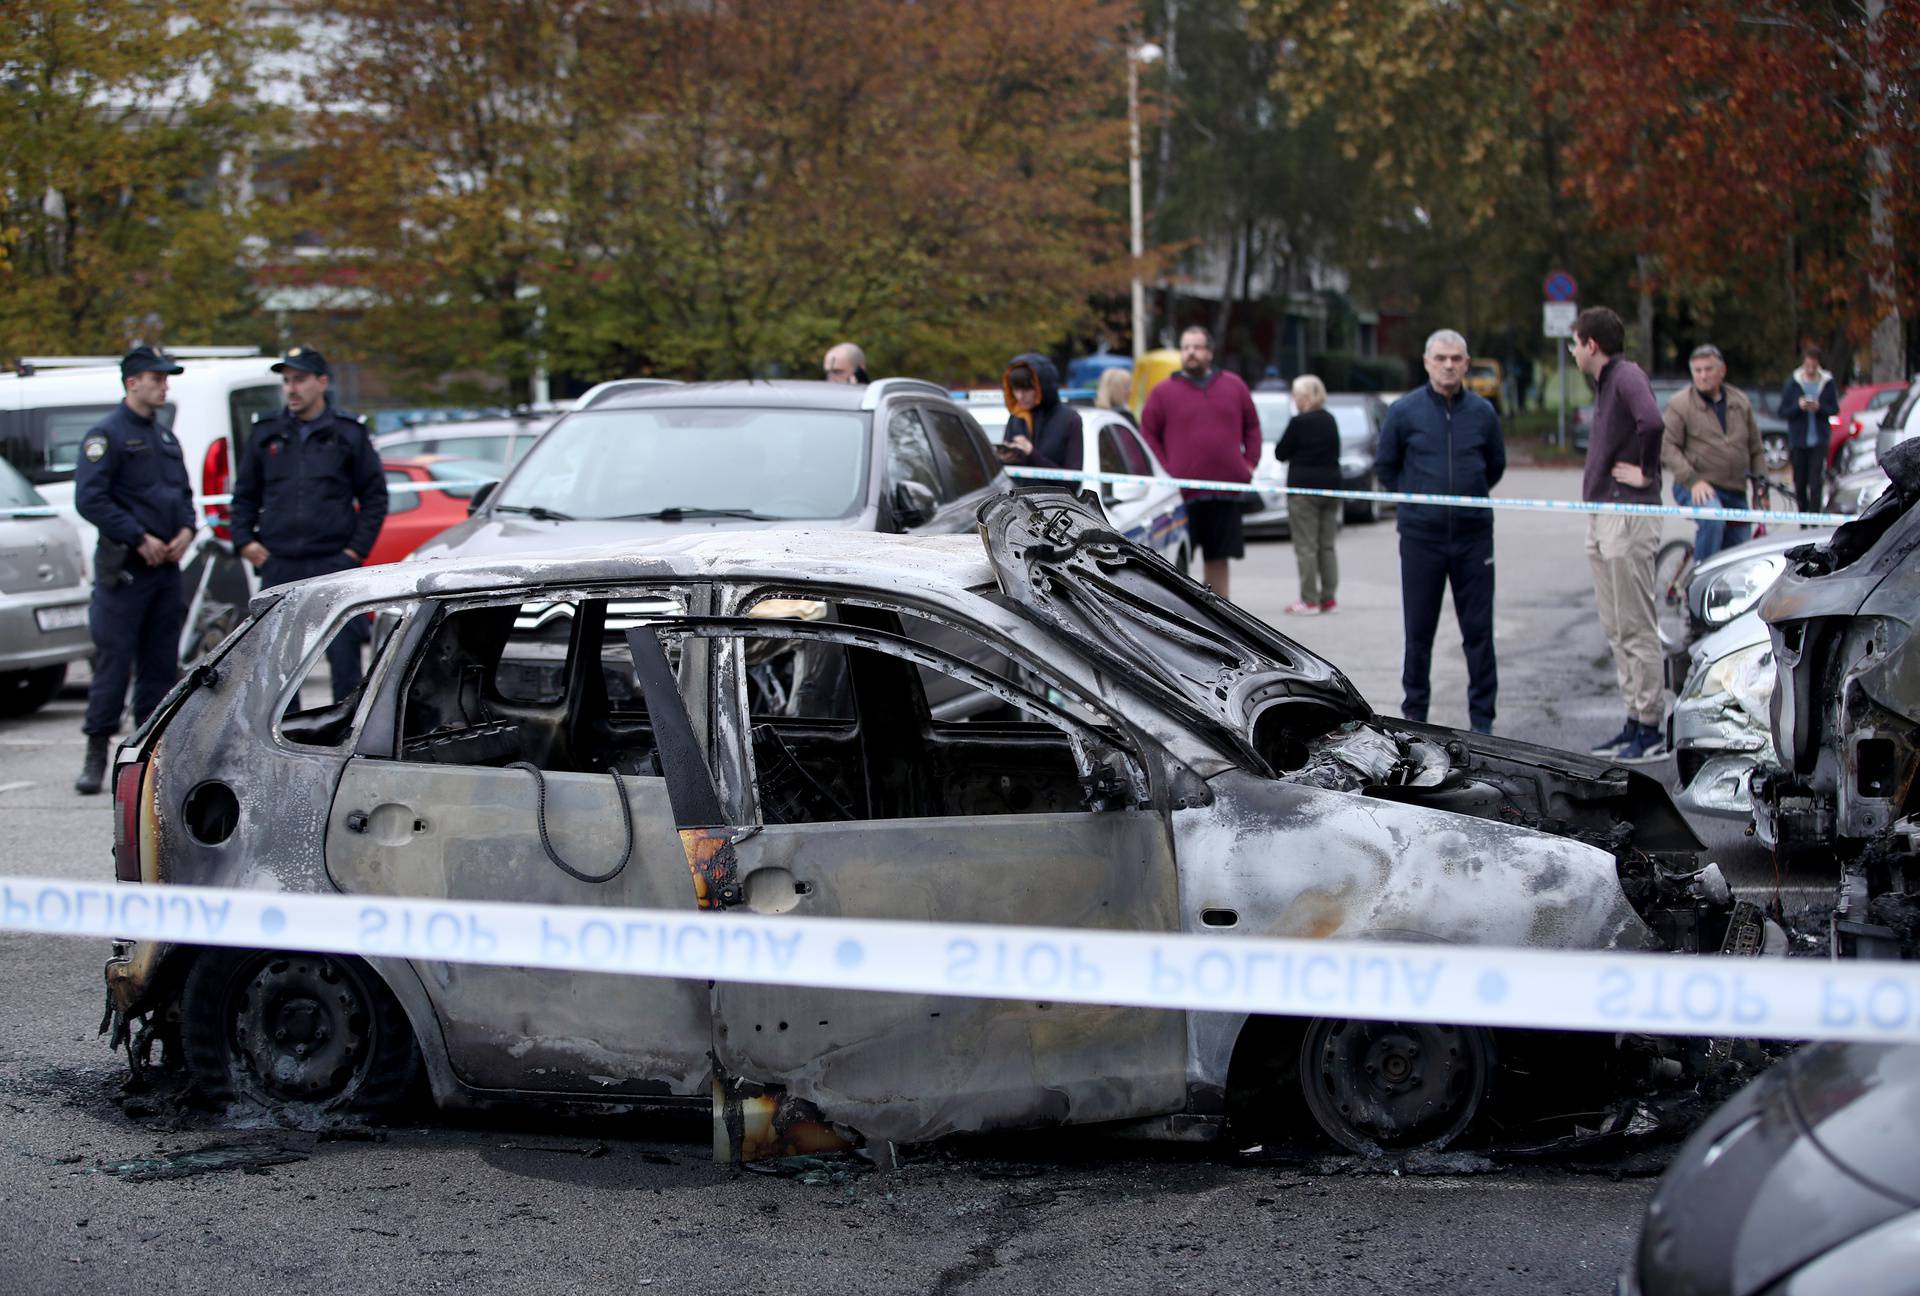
[
  {"x": 718, "y": 190},
  {"x": 124, "y": 135}
]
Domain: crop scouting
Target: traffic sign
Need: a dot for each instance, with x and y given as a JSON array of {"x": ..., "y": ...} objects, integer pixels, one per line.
[
  {"x": 1556, "y": 318},
  {"x": 1560, "y": 287}
]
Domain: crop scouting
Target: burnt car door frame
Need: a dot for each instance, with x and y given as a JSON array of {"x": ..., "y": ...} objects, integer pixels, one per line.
[
  {"x": 469, "y": 831},
  {"x": 907, "y": 1068}
]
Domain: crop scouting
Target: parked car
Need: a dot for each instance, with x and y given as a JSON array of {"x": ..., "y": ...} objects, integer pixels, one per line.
[
  {"x": 1857, "y": 400},
  {"x": 1845, "y": 765},
  {"x": 501, "y": 441},
  {"x": 1805, "y": 1183},
  {"x": 416, "y": 515},
  {"x": 43, "y": 597},
  {"x": 1900, "y": 423},
  {"x": 1152, "y": 515},
  {"x": 1358, "y": 416},
  {"x": 1773, "y": 428},
  {"x": 894, "y": 455},
  {"x": 1175, "y": 765},
  {"x": 210, "y": 409},
  {"x": 1484, "y": 379}
]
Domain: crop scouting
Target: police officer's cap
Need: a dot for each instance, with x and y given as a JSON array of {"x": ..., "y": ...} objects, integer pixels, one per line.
[
  {"x": 303, "y": 358},
  {"x": 144, "y": 359}
]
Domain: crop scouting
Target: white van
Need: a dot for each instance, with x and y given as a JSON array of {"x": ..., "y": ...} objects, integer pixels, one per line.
[{"x": 45, "y": 412}]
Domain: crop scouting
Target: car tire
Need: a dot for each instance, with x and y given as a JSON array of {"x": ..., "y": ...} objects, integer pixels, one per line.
[
  {"x": 295, "y": 1033},
  {"x": 1379, "y": 1085},
  {"x": 24, "y": 692}
]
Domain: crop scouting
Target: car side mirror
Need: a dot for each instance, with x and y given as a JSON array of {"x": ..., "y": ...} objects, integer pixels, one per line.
[
  {"x": 481, "y": 493},
  {"x": 913, "y": 504}
]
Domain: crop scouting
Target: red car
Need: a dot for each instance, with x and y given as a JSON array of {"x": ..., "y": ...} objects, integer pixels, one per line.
[
  {"x": 1858, "y": 399},
  {"x": 416, "y": 516}
]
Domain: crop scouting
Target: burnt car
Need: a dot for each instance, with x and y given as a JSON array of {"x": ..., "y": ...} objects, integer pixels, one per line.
[
  {"x": 1805, "y": 1183},
  {"x": 1153, "y": 759},
  {"x": 1844, "y": 781}
]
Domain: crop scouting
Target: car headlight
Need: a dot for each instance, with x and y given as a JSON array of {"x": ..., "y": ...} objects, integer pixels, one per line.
[
  {"x": 1738, "y": 588},
  {"x": 1746, "y": 675}
]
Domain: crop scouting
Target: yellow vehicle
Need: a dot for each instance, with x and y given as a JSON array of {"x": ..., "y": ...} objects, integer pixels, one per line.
[
  {"x": 1485, "y": 378},
  {"x": 1152, "y": 369}
]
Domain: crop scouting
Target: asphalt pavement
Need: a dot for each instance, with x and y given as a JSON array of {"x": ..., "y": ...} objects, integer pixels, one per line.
[{"x": 109, "y": 1192}]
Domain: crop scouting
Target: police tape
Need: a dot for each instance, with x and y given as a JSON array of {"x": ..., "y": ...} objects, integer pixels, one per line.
[
  {"x": 1660, "y": 994},
  {"x": 1690, "y": 512}
]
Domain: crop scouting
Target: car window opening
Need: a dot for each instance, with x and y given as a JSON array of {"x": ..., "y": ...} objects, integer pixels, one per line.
[
  {"x": 845, "y": 732},
  {"x": 312, "y": 717},
  {"x": 545, "y": 683}
]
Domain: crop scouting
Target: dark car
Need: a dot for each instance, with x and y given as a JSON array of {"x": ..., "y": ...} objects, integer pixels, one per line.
[
  {"x": 1806, "y": 1183},
  {"x": 646, "y": 461}
]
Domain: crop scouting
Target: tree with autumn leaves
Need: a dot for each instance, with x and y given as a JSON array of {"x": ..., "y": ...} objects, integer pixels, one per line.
[
  {"x": 1749, "y": 167},
  {"x": 715, "y": 190},
  {"x": 124, "y": 145}
]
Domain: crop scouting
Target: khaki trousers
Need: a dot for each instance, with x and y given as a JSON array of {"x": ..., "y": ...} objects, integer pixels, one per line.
[
  {"x": 1313, "y": 522},
  {"x": 1620, "y": 550}
]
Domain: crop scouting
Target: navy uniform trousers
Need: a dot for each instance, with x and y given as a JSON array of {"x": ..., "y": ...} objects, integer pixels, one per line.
[
  {"x": 136, "y": 623},
  {"x": 1427, "y": 568}
]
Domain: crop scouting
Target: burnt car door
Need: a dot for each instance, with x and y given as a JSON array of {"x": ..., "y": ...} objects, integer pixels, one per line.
[
  {"x": 431, "y": 805},
  {"x": 861, "y": 804}
]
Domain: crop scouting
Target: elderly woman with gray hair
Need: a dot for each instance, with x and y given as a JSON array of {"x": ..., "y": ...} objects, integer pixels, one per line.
[{"x": 1310, "y": 447}]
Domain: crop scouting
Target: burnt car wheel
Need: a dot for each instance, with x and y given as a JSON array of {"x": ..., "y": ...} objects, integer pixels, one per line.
[
  {"x": 1394, "y": 1085},
  {"x": 295, "y": 1031},
  {"x": 24, "y": 692}
]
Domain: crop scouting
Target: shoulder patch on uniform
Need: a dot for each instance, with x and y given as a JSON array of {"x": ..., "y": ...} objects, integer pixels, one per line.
[{"x": 94, "y": 448}]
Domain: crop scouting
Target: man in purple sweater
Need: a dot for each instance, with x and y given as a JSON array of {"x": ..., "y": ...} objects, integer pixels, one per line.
[
  {"x": 1623, "y": 467},
  {"x": 1201, "y": 423}
]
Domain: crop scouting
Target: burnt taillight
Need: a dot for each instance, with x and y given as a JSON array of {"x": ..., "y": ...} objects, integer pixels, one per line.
[
  {"x": 128, "y": 781},
  {"x": 216, "y": 473}
]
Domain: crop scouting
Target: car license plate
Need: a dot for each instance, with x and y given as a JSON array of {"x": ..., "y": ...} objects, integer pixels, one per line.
[{"x": 61, "y": 618}]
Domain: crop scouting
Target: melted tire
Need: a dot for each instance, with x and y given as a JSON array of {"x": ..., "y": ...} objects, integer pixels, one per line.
[
  {"x": 1394, "y": 1086},
  {"x": 295, "y": 1033}
]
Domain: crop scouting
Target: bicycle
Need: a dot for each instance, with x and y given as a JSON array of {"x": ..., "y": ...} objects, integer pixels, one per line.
[
  {"x": 209, "y": 617},
  {"x": 1673, "y": 572}
]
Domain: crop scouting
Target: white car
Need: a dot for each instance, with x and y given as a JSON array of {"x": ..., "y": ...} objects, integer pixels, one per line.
[
  {"x": 502, "y": 441},
  {"x": 1358, "y": 416},
  {"x": 210, "y": 408},
  {"x": 1152, "y": 515}
]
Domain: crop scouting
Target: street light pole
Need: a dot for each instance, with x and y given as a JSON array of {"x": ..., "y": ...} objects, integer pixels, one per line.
[{"x": 1136, "y": 55}]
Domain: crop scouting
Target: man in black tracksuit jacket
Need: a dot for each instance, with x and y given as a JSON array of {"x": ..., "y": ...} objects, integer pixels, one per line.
[
  {"x": 310, "y": 497},
  {"x": 1444, "y": 440}
]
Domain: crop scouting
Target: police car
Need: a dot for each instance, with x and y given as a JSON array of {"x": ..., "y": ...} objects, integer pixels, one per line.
[{"x": 1153, "y": 514}]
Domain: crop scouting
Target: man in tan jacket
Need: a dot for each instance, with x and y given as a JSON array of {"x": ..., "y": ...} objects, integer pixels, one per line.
[{"x": 1711, "y": 444}]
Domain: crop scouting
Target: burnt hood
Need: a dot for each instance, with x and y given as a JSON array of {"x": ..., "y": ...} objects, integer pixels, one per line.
[{"x": 1060, "y": 562}]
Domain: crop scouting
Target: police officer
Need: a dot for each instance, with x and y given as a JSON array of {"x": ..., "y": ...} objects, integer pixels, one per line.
[
  {"x": 131, "y": 484},
  {"x": 294, "y": 503}
]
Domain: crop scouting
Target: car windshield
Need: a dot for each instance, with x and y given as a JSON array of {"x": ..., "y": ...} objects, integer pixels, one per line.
[
  {"x": 16, "y": 492},
  {"x": 44, "y": 442},
  {"x": 625, "y": 463},
  {"x": 471, "y": 471}
]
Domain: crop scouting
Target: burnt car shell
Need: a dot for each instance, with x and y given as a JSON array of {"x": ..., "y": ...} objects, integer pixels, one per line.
[
  {"x": 1799, "y": 1183},
  {"x": 1846, "y": 702},
  {"x": 1233, "y": 772}
]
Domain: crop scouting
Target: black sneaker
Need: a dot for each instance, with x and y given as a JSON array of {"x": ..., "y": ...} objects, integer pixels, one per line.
[
  {"x": 1649, "y": 744},
  {"x": 1628, "y": 732}
]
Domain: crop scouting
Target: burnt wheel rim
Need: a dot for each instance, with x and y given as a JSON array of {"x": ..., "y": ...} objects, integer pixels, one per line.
[
  {"x": 1394, "y": 1085},
  {"x": 302, "y": 1026}
]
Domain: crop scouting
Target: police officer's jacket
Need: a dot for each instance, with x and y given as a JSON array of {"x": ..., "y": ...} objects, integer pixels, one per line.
[
  {"x": 131, "y": 480},
  {"x": 296, "y": 495}
]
